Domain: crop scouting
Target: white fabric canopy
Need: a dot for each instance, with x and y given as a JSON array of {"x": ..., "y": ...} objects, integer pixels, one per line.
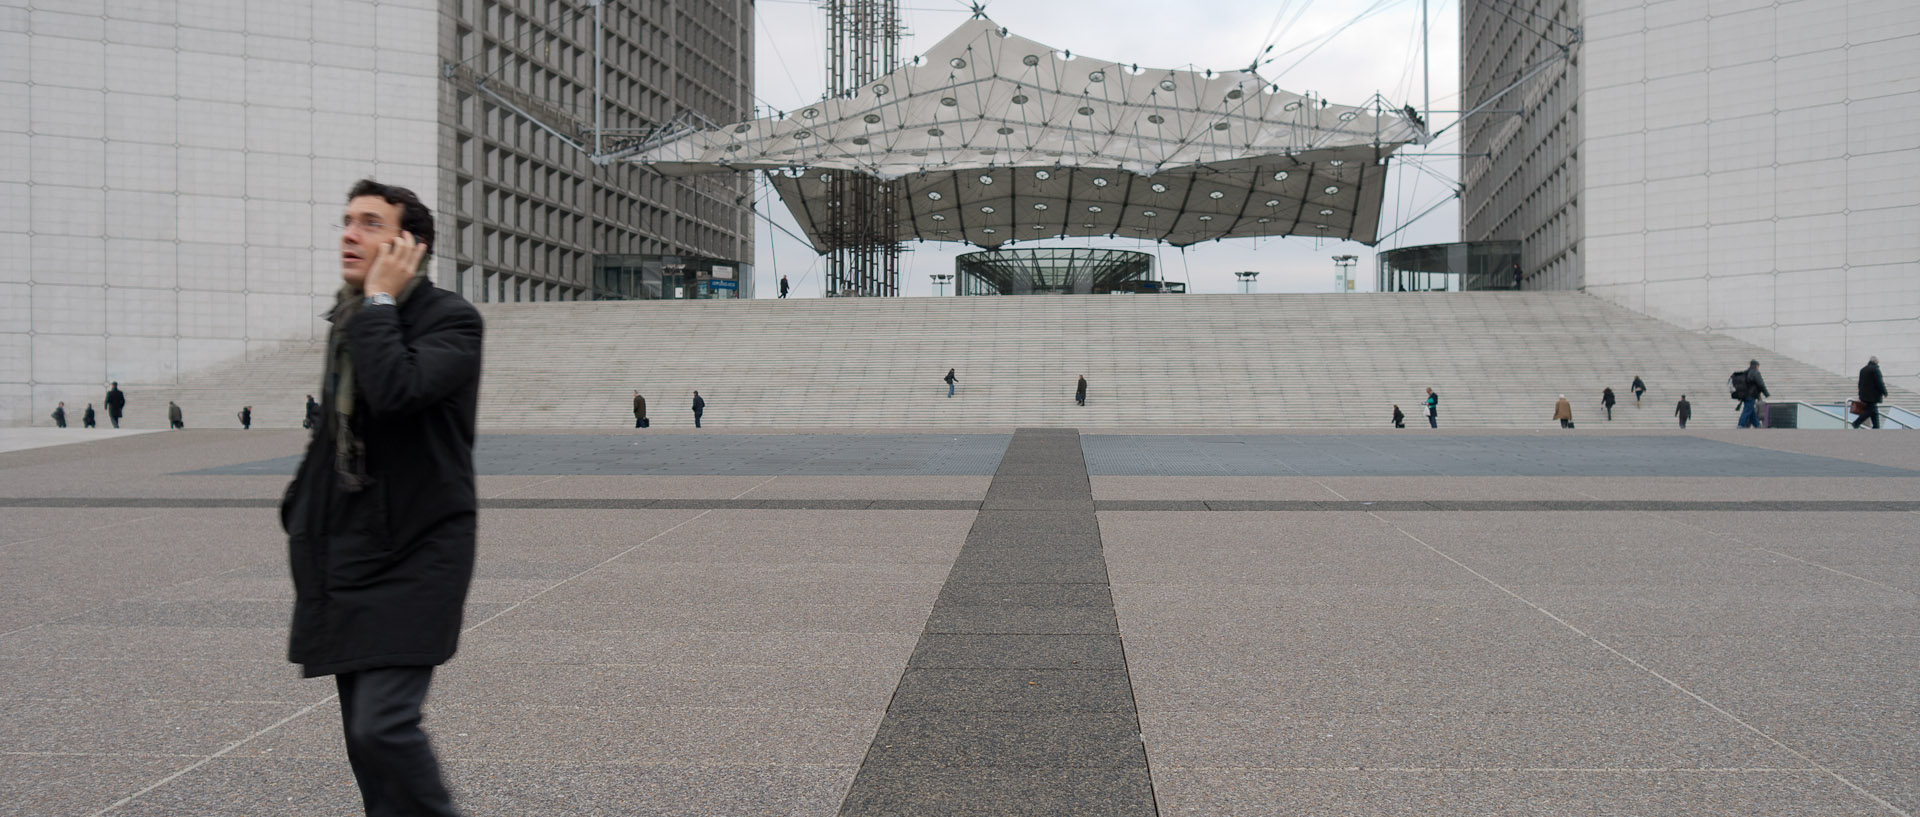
[{"x": 991, "y": 138}]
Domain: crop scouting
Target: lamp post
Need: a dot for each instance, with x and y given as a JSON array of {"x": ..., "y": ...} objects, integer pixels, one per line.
[
  {"x": 1246, "y": 281},
  {"x": 1343, "y": 274},
  {"x": 940, "y": 281}
]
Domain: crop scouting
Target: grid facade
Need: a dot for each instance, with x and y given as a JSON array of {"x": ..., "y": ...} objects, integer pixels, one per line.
[
  {"x": 1521, "y": 171},
  {"x": 527, "y": 212}
]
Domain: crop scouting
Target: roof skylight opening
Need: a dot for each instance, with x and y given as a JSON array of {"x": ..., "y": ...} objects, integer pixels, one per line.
[
  {"x": 1086, "y": 111},
  {"x": 1292, "y": 106},
  {"x": 1039, "y": 207},
  {"x": 1097, "y": 76},
  {"x": 1216, "y": 195},
  {"x": 810, "y": 114},
  {"x": 1095, "y": 208},
  {"x": 859, "y": 140},
  {"x": 826, "y": 178},
  {"x": 802, "y": 135},
  {"x": 934, "y": 195},
  {"x": 989, "y": 231},
  {"x": 1099, "y": 181},
  {"x": 1337, "y": 162},
  {"x": 871, "y": 119},
  {"x": 949, "y": 101},
  {"x": 1156, "y": 119},
  {"x": 1219, "y": 126},
  {"x": 1167, "y": 85},
  {"x": 1348, "y": 116},
  {"x": 1030, "y": 60},
  {"x": 1004, "y": 131},
  {"x": 1042, "y": 175},
  {"x": 936, "y": 132},
  {"x": 1235, "y": 94},
  {"x": 1159, "y": 188},
  {"x": 1149, "y": 213},
  {"x": 1280, "y": 177},
  {"x": 1039, "y": 226},
  {"x": 987, "y": 208},
  {"x": 957, "y": 62},
  {"x": 1326, "y": 212},
  {"x": 986, "y": 178},
  {"x": 880, "y": 90},
  {"x": 1020, "y": 99},
  {"x": 938, "y": 217},
  {"x": 1206, "y": 218},
  {"x": 1332, "y": 189},
  {"x": 1273, "y": 202},
  {"x": 742, "y": 128},
  {"x": 1265, "y": 221}
]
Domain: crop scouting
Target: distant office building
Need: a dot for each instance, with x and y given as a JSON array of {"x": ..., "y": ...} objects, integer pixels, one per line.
[
  {"x": 175, "y": 170},
  {"x": 1748, "y": 168}
]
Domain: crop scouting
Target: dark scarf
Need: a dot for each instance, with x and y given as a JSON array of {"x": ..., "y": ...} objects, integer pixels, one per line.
[{"x": 349, "y": 453}]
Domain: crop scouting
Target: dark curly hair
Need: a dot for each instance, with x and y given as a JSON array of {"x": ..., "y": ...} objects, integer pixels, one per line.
[{"x": 415, "y": 218}]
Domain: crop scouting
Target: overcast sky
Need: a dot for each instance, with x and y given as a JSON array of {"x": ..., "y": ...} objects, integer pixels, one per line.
[{"x": 1344, "y": 50}]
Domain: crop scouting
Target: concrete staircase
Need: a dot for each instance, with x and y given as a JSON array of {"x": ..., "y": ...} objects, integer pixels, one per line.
[{"x": 1496, "y": 359}]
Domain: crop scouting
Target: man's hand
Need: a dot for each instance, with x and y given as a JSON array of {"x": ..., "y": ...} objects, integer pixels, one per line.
[{"x": 394, "y": 266}]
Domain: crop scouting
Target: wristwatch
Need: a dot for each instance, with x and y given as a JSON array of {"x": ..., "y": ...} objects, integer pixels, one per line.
[{"x": 380, "y": 299}]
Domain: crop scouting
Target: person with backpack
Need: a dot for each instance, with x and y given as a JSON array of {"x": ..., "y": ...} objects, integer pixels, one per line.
[
  {"x": 60, "y": 416},
  {"x": 1639, "y": 388},
  {"x": 246, "y": 418},
  {"x": 1748, "y": 387},
  {"x": 951, "y": 382},
  {"x": 1606, "y": 399}
]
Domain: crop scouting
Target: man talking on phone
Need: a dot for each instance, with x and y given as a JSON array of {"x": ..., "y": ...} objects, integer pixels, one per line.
[{"x": 380, "y": 517}]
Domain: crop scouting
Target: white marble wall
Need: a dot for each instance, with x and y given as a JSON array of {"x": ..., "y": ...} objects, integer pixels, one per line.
[
  {"x": 1753, "y": 168},
  {"x": 170, "y": 171}
]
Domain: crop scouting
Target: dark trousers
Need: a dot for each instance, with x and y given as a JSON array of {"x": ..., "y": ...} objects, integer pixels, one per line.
[
  {"x": 392, "y": 760},
  {"x": 1566, "y": 424},
  {"x": 696, "y": 419},
  {"x": 1683, "y": 422},
  {"x": 1872, "y": 413},
  {"x": 115, "y": 418},
  {"x": 1609, "y": 409},
  {"x": 1433, "y": 420}
]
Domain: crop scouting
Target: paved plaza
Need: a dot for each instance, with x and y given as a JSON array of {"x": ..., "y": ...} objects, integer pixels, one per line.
[{"x": 1034, "y": 621}]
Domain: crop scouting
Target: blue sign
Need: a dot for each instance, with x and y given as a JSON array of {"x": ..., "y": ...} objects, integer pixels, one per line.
[{"x": 733, "y": 285}]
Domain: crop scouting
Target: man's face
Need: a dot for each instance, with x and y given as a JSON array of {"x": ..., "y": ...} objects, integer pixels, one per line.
[{"x": 370, "y": 221}]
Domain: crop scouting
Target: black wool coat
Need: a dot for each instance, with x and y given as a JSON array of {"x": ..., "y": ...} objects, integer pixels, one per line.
[
  {"x": 380, "y": 575},
  {"x": 1873, "y": 387}
]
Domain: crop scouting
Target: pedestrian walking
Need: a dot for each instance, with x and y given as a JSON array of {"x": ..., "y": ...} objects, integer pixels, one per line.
[
  {"x": 951, "y": 382},
  {"x": 116, "y": 403},
  {"x": 1080, "y": 391},
  {"x": 1684, "y": 411},
  {"x": 174, "y": 417},
  {"x": 639, "y": 410},
  {"x": 60, "y": 416},
  {"x": 313, "y": 414},
  {"x": 699, "y": 408},
  {"x": 1399, "y": 417},
  {"x": 1606, "y": 399},
  {"x": 1873, "y": 389},
  {"x": 380, "y": 518},
  {"x": 1639, "y": 388},
  {"x": 1563, "y": 411},
  {"x": 86, "y": 420},
  {"x": 783, "y": 286},
  {"x": 246, "y": 417},
  {"x": 1433, "y": 409},
  {"x": 1748, "y": 387}
]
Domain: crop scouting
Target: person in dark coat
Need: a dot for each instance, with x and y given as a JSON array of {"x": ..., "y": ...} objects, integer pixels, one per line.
[
  {"x": 381, "y": 516},
  {"x": 1873, "y": 389},
  {"x": 1080, "y": 391},
  {"x": 1399, "y": 417},
  {"x": 699, "y": 408},
  {"x": 116, "y": 403},
  {"x": 1684, "y": 411},
  {"x": 86, "y": 420},
  {"x": 1639, "y": 388},
  {"x": 60, "y": 416},
  {"x": 639, "y": 410},
  {"x": 175, "y": 418},
  {"x": 952, "y": 381},
  {"x": 1750, "y": 394},
  {"x": 1433, "y": 409},
  {"x": 783, "y": 286},
  {"x": 1606, "y": 399},
  {"x": 313, "y": 414},
  {"x": 246, "y": 417}
]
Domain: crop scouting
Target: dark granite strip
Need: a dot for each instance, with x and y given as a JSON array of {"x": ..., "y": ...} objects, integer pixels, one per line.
[
  {"x": 1017, "y": 699},
  {"x": 1014, "y": 520}
]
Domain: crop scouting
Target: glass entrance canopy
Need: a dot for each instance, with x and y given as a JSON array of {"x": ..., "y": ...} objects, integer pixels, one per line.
[{"x": 1062, "y": 270}]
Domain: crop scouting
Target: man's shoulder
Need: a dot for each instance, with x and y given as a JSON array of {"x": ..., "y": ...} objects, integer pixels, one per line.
[{"x": 441, "y": 304}]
